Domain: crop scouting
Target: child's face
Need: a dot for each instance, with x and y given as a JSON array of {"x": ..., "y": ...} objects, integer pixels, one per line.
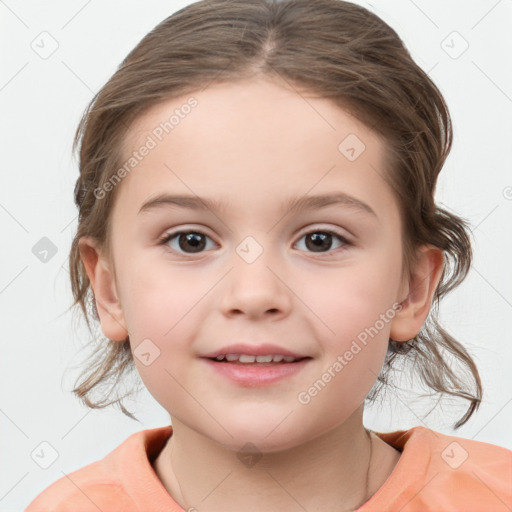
[{"x": 255, "y": 146}]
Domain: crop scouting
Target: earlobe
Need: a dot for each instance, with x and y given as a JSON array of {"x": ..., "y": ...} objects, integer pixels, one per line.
[
  {"x": 104, "y": 289},
  {"x": 425, "y": 278}
]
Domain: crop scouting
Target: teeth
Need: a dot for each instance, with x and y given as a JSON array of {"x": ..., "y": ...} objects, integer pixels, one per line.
[
  {"x": 263, "y": 359},
  {"x": 245, "y": 358}
]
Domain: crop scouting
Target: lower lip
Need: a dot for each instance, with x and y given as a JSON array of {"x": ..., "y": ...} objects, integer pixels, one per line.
[{"x": 253, "y": 376}]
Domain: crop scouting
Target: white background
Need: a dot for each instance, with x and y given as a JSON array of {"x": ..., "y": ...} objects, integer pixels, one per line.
[{"x": 41, "y": 103}]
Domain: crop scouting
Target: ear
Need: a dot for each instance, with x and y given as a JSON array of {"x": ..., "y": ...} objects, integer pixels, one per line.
[
  {"x": 104, "y": 288},
  {"x": 420, "y": 289}
]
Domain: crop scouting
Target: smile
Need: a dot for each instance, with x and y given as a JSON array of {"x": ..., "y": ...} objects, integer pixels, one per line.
[
  {"x": 256, "y": 371},
  {"x": 247, "y": 359}
]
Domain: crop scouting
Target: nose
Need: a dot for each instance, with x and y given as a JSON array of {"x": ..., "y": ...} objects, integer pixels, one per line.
[{"x": 256, "y": 290}]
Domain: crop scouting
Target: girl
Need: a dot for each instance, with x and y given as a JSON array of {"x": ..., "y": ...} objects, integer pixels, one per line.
[{"x": 258, "y": 237}]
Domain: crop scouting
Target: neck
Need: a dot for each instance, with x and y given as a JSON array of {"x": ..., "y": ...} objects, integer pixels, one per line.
[{"x": 199, "y": 473}]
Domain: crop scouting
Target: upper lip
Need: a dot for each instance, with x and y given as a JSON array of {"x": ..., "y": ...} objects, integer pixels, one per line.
[{"x": 254, "y": 350}]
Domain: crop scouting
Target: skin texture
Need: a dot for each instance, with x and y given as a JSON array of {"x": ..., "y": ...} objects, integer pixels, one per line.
[{"x": 255, "y": 145}]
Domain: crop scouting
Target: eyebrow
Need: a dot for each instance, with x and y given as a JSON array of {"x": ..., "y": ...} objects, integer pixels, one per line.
[{"x": 293, "y": 205}]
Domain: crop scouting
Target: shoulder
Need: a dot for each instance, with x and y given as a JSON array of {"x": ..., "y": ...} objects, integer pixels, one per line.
[
  {"x": 86, "y": 489},
  {"x": 443, "y": 472},
  {"x": 453, "y": 454},
  {"x": 119, "y": 481},
  {"x": 448, "y": 451},
  {"x": 88, "y": 497}
]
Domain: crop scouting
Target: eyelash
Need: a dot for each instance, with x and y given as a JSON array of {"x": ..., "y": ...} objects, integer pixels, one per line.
[{"x": 169, "y": 236}]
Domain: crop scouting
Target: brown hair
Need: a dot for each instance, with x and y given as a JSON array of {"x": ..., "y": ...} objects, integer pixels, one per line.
[{"x": 337, "y": 49}]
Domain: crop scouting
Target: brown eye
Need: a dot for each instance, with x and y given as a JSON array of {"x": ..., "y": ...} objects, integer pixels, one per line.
[
  {"x": 193, "y": 240},
  {"x": 189, "y": 242},
  {"x": 322, "y": 241},
  {"x": 319, "y": 241}
]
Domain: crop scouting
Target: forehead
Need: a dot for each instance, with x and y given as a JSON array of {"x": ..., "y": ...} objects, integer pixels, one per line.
[
  {"x": 288, "y": 114},
  {"x": 254, "y": 138}
]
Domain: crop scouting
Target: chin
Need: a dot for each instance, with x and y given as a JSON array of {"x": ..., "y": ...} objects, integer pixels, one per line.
[
  {"x": 267, "y": 433},
  {"x": 257, "y": 443}
]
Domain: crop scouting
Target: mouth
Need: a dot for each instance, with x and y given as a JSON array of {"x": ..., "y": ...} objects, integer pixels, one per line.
[
  {"x": 252, "y": 371},
  {"x": 252, "y": 360}
]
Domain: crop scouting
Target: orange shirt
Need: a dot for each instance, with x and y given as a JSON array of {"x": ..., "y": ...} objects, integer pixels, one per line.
[{"x": 435, "y": 472}]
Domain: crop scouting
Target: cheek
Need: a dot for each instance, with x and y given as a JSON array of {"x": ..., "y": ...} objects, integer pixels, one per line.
[
  {"x": 157, "y": 297},
  {"x": 161, "y": 310},
  {"x": 164, "y": 302},
  {"x": 351, "y": 299},
  {"x": 160, "y": 307},
  {"x": 356, "y": 314}
]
